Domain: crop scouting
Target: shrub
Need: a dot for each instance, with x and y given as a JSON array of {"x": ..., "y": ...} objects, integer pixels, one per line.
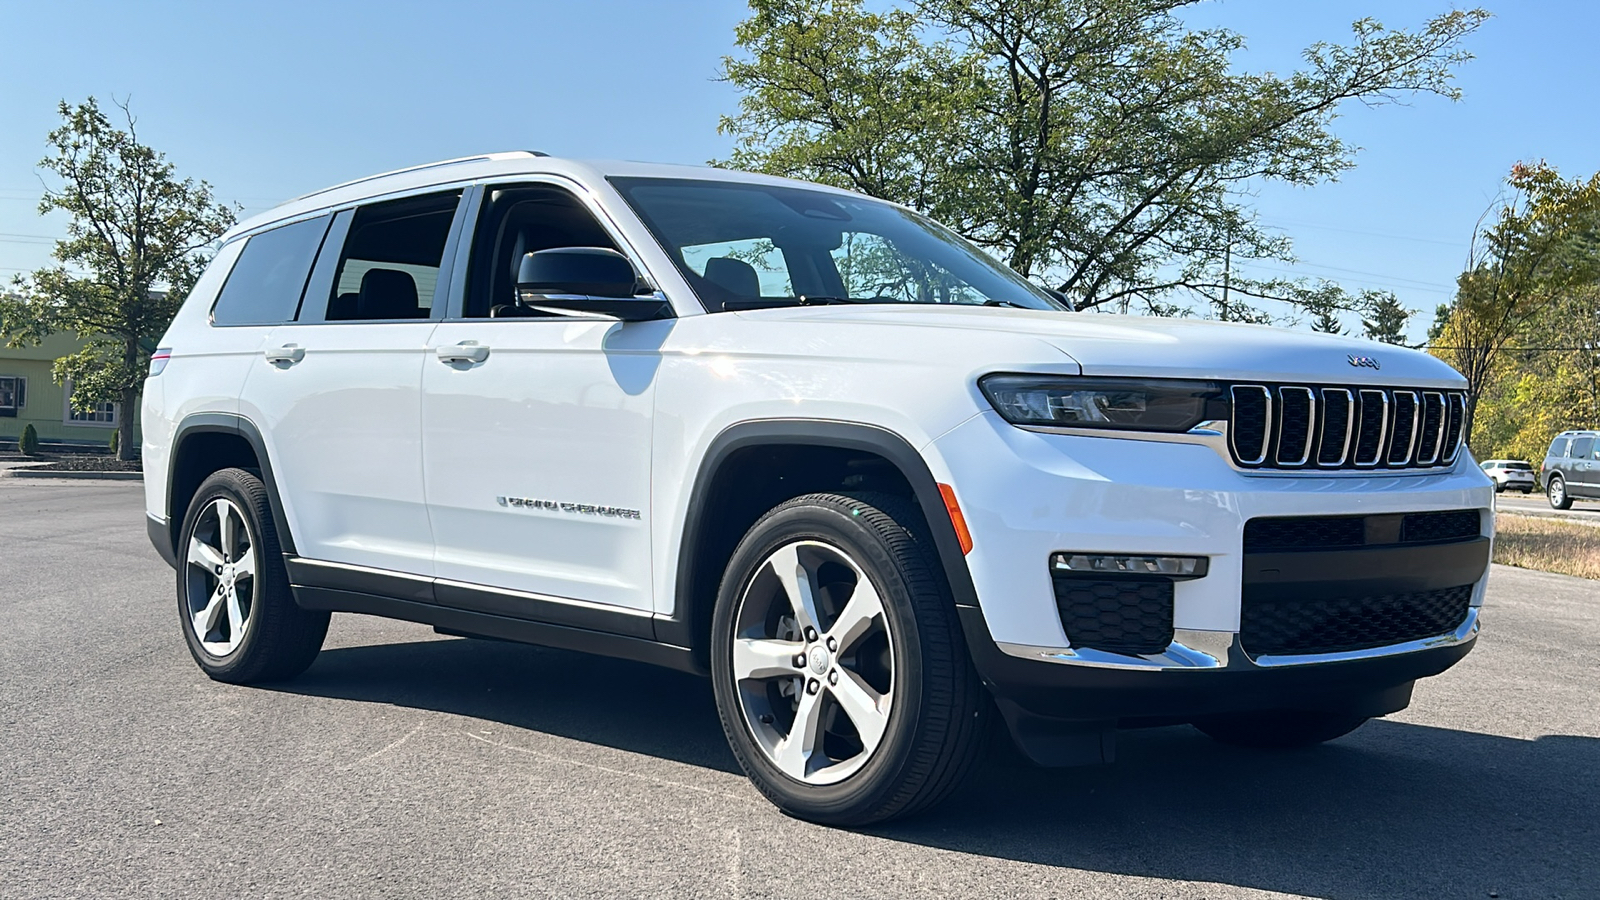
[{"x": 28, "y": 444}]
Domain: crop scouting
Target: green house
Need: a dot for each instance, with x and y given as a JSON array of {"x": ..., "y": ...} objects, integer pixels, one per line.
[{"x": 29, "y": 395}]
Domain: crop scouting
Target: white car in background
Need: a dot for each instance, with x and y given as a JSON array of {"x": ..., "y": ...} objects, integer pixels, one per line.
[
  {"x": 1510, "y": 475},
  {"x": 874, "y": 485}
]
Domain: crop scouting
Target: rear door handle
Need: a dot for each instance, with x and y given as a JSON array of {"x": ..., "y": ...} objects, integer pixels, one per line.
[
  {"x": 288, "y": 354},
  {"x": 464, "y": 352}
]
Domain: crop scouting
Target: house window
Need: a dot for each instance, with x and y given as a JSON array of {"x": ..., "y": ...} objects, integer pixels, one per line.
[
  {"x": 13, "y": 395},
  {"x": 102, "y": 414}
]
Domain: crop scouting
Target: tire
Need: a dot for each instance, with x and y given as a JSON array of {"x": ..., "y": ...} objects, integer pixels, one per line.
[
  {"x": 1499, "y": 488},
  {"x": 1555, "y": 491},
  {"x": 234, "y": 605},
  {"x": 1279, "y": 730},
  {"x": 899, "y": 714}
]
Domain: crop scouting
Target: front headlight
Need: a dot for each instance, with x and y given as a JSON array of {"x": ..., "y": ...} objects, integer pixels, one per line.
[{"x": 1122, "y": 404}]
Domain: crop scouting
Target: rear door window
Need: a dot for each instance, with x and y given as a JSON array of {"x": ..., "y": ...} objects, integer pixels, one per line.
[
  {"x": 389, "y": 267},
  {"x": 265, "y": 285},
  {"x": 1582, "y": 447}
]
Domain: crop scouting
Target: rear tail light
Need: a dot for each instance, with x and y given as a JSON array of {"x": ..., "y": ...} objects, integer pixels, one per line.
[{"x": 158, "y": 360}]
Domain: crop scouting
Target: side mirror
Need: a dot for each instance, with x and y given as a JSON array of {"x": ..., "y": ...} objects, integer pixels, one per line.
[{"x": 585, "y": 281}]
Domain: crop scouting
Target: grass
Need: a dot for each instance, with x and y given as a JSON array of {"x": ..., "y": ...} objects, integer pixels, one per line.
[{"x": 1549, "y": 545}]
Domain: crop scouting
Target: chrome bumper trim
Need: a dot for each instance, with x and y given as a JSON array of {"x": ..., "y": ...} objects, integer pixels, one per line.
[{"x": 1192, "y": 650}]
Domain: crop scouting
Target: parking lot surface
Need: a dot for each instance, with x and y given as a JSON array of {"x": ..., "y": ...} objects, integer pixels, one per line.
[{"x": 405, "y": 764}]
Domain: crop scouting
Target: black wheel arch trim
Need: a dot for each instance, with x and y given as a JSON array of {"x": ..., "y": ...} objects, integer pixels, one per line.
[
  {"x": 681, "y": 627},
  {"x": 231, "y": 424}
]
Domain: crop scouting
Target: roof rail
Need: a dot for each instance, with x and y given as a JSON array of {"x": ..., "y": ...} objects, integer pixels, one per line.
[{"x": 482, "y": 157}]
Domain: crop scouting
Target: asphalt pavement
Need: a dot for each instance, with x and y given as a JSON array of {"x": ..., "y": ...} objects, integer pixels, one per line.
[
  {"x": 1535, "y": 504},
  {"x": 405, "y": 764}
]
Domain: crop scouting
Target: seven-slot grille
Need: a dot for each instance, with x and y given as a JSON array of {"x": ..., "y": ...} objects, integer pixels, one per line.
[{"x": 1316, "y": 427}]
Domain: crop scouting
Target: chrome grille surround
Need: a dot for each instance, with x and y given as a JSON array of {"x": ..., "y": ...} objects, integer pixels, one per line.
[{"x": 1334, "y": 436}]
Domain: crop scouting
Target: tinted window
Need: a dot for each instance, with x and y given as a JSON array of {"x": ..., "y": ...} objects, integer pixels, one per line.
[
  {"x": 1558, "y": 447},
  {"x": 265, "y": 284},
  {"x": 782, "y": 246},
  {"x": 389, "y": 267},
  {"x": 1519, "y": 467},
  {"x": 1581, "y": 447}
]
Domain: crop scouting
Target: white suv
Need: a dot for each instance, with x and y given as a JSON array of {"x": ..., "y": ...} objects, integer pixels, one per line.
[{"x": 877, "y": 486}]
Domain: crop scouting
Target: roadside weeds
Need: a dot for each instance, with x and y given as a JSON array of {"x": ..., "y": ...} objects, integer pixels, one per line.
[{"x": 1548, "y": 545}]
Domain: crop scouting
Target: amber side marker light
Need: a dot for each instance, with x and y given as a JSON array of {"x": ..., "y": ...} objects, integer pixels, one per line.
[{"x": 957, "y": 520}]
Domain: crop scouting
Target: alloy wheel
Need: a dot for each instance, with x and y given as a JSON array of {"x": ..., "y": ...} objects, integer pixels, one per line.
[
  {"x": 813, "y": 662},
  {"x": 221, "y": 577},
  {"x": 1558, "y": 491}
]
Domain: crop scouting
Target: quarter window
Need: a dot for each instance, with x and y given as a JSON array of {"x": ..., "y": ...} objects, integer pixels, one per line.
[
  {"x": 265, "y": 284},
  {"x": 389, "y": 268},
  {"x": 1558, "y": 447}
]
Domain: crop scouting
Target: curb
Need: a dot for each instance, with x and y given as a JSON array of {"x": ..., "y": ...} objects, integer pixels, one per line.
[{"x": 82, "y": 476}]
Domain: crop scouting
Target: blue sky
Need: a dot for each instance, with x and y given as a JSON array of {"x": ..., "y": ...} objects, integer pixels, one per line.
[{"x": 268, "y": 101}]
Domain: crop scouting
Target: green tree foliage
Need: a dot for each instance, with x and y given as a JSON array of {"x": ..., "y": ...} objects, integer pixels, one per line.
[
  {"x": 1546, "y": 381},
  {"x": 1385, "y": 318},
  {"x": 135, "y": 245},
  {"x": 1099, "y": 145},
  {"x": 28, "y": 444},
  {"x": 1523, "y": 287}
]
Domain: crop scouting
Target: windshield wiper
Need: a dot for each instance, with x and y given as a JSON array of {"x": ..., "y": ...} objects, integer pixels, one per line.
[
  {"x": 1005, "y": 303},
  {"x": 819, "y": 300}
]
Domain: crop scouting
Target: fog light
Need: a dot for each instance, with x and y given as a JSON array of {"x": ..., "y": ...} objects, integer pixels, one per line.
[{"x": 1176, "y": 567}]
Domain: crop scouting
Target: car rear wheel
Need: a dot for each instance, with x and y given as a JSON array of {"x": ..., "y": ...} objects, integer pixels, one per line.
[
  {"x": 238, "y": 616},
  {"x": 1279, "y": 730},
  {"x": 840, "y": 672},
  {"x": 1556, "y": 491}
]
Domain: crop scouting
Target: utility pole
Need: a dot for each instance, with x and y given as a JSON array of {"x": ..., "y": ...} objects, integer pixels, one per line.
[{"x": 1227, "y": 274}]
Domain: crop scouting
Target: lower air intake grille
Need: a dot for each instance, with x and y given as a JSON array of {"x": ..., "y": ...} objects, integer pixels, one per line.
[
  {"x": 1299, "y": 627},
  {"x": 1123, "y": 615}
]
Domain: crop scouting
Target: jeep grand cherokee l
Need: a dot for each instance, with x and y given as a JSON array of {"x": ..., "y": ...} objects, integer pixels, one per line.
[{"x": 876, "y": 486}]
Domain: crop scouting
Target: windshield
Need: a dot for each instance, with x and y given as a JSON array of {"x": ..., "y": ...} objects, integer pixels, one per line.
[{"x": 751, "y": 246}]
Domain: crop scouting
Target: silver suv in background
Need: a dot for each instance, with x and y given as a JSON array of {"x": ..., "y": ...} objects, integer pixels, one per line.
[
  {"x": 1510, "y": 475},
  {"x": 1571, "y": 468}
]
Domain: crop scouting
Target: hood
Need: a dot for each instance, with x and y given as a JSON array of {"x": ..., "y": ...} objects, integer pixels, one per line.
[{"x": 1174, "y": 348}]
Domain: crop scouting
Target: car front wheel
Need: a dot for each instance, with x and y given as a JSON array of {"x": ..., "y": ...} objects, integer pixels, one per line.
[{"x": 840, "y": 672}]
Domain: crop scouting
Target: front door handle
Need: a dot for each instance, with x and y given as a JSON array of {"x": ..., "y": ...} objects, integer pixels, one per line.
[
  {"x": 464, "y": 352},
  {"x": 288, "y": 354}
]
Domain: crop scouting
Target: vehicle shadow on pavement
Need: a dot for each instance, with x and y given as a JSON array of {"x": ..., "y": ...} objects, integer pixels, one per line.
[
  {"x": 616, "y": 703},
  {"x": 1395, "y": 809}
]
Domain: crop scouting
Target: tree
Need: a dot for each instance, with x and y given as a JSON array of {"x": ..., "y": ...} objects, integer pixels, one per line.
[
  {"x": 135, "y": 245},
  {"x": 1327, "y": 322},
  {"x": 1096, "y": 144},
  {"x": 1385, "y": 319},
  {"x": 1540, "y": 248}
]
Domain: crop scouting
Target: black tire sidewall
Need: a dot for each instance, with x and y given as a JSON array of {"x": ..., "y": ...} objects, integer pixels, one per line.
[{"x": 874, "y": 784}]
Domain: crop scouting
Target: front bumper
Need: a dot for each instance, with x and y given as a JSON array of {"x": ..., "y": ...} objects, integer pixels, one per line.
[{"x": 1027, "y": 495}]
